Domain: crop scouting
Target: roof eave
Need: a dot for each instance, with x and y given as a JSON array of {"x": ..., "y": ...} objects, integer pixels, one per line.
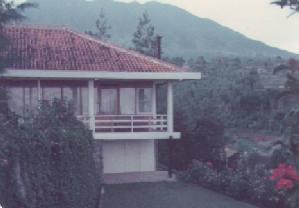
[{"x": 63, "y": 74}]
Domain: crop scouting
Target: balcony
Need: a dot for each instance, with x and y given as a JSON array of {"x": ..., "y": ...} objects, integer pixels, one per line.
[{"x": 129, "y": 126}]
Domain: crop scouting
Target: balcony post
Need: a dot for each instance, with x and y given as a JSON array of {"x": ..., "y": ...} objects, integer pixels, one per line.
[
  {"x": 169, "y": 107},
  {"x": 91, "y": 112},
  {"x": 39, "y": 91},
  {"x": 154, "y": 100}
]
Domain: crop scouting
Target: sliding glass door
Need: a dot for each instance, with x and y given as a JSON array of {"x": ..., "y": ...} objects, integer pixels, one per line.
[
  {"x": 127, "y": 101},
  {"x": 124, "y": 101},
  {"x": 108, "y": 101}
]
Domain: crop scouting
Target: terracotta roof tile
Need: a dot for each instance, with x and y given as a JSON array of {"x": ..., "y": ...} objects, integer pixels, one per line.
[{"x": 63, "y": 49}]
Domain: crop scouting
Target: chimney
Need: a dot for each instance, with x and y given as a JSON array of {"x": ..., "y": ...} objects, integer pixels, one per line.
[{"x": 158, "y": 47}]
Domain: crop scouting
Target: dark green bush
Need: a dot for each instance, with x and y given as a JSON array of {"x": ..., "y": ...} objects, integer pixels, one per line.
[
  {"x": 47, "y": 161},
  {"x": 205, "y": 143}
]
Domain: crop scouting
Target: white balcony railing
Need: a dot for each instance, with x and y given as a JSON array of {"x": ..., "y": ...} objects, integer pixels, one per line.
[{"x": 128, "y": 123}]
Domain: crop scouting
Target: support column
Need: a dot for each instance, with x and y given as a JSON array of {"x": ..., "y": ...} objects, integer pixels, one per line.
[
  {"x": 154, "y": 99},
  {"x": 91, "y": 112},
  {"x": 170, "y": 127},
  {"x": 170, "y": 157},
  {"x": 154, "y": 111},
  {"x": 169, "y": 107},
  {"x": 39, "y": 91}
]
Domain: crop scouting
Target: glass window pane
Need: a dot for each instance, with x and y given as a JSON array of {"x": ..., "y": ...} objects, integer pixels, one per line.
[
  {"x": 78, "y": 97},
  {"x": 108, "y": 101},
  {"x": 30, "y": 99},
  {"x": 16, "y": 100},
  {"x": 145, "y": 100},
  {"x": 67, "y": 93},
  {"x": 84, "y": 100},
  {"x": 50, "y": 93},
  {"x": 127, "y": 101}
]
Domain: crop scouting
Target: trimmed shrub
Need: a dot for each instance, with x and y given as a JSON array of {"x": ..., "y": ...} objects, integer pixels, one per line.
[{"x": 47, "y": 160}]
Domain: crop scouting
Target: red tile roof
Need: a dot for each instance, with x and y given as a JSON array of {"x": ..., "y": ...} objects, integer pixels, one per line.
[{"x": 61, "y": 49}]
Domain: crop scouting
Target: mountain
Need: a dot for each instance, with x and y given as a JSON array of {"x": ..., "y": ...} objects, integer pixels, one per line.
[{"x": 183, "y": 33}]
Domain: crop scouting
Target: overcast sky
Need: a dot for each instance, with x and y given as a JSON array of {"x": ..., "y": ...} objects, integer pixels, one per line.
[{"x": 256, "y": 19}]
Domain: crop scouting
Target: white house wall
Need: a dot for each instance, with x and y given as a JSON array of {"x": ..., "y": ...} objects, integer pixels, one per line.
[{"x": 129, "y": 156}]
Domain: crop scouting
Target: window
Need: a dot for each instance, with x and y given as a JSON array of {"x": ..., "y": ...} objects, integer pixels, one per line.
[
  {"x": 50, "y": 93},
  {"x": 124, "y": 100},
  {"x": 22, "y": 99},
  {"x": 144, "y": 100},
  {"x": 108, "y": 102},
  {"x": 16, "y": 100},
  {"x": 127, "y": 101},
  {"x": 78, "y": 97}
]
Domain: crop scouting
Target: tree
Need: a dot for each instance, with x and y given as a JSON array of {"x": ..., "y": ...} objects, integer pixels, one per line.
[
  {"x": 291, "y": 4},
  {"x": 10, "y": 12},
  {"x": 178, "y": 60},
  {"x": 144, "y": 37},
  {"x": 292, "y": 89},
  {"x": 102, "y": 27},
  {"x": 48, "y": 162}
]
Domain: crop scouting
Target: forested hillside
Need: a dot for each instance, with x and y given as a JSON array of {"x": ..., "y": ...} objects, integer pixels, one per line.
[{"x": 184, "y": 34}]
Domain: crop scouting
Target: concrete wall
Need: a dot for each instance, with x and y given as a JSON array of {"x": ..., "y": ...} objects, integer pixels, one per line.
[{"x": 129, "y": 156}]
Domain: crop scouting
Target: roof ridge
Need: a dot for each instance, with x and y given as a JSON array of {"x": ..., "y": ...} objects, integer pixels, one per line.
[
  {"x": 131, "y": 52},
  {"x": 37, "y": 27}
]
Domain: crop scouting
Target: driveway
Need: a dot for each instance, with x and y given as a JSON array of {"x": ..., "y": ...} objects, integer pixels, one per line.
[{"x": 166, "y": 195}]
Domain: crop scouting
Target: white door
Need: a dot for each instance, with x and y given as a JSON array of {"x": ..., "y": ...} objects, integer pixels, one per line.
[{"x": 129, "y": 156}]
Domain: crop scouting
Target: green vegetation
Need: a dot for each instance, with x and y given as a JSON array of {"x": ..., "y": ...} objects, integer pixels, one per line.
[
  {"x": 247, "y": 184},
  {"x": 102, "y": 27},
  {"x": 10, "y": 12},
  {"x": 144, "y": 37},
  {"x": 184, "y": 34},
  {"x": 232, "y": 97},
  {"x": 46, "y": 160},
  {"x": 213, "y": 114},
  {"x": 291, "y": 4}
]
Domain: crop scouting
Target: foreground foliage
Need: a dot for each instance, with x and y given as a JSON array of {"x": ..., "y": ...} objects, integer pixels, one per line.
[
  {"x": 251, "y": 185},
  {"x": 46, "y": 160},
  {"x": 234, "y": 94}
]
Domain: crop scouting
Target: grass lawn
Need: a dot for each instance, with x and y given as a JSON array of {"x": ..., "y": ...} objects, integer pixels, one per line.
[{"x": 166, "y": 195}]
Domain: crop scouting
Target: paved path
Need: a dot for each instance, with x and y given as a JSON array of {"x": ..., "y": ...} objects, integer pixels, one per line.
[{"x": 166, "y": 195}]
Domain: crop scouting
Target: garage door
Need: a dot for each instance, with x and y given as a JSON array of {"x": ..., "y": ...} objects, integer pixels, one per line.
[{"x": 129, "y": 156}]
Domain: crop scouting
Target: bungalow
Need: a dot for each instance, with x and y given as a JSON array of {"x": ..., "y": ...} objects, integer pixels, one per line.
[{"x": 113, "y": 90}]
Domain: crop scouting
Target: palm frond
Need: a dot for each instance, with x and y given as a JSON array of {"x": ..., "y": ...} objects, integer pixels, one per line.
[
  {"x": 10, "y": 12},
  {"x": 280, "y": 3},
  {"x": 26, "y": 5}
]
